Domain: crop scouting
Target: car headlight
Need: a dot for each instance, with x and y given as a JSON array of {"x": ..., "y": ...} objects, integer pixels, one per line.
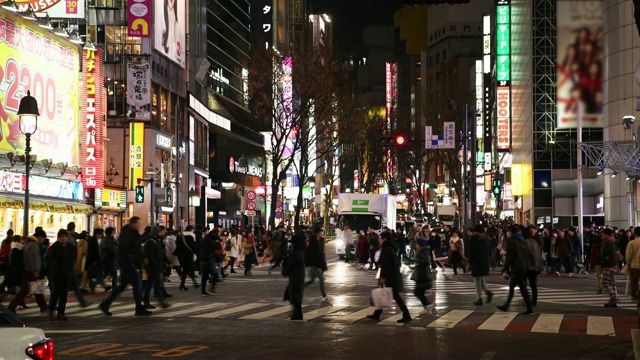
[{"x": 339, "y": 243}]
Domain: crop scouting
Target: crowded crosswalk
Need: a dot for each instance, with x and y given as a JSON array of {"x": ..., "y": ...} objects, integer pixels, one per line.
[{"x": 487, "y": 318}]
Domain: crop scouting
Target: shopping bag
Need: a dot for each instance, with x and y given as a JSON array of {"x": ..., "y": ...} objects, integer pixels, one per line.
[
  {"x": 382, "y": 297},
  {"x": 626, "y": 270},
  {"x": 37, "y": 287}
]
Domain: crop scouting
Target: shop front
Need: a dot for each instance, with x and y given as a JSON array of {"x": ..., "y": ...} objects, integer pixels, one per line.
[
  {"x": 53, "y": 203},
  {"x": 110, "y": 204},
  {"x": 240, "y": 199}
]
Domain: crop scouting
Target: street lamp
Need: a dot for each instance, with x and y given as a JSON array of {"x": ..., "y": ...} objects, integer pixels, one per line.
[{"x": 28, "y": 113}]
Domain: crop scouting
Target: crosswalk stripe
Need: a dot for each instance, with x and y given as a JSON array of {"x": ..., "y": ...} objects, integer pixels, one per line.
[
  {"x": 111, "y": 309},
  {"x": 548, "y": 323},
  {"x": 450, "y": 319},
  {"x": 158, "y": 310},
  {"x": 229, "y": 311},
  {"x": 354, "y": 316},
  {"x": 190, "y": 310},
  {"x": 600, "y": 325},
  {"x": 322, "y": 311},
  {"x": 393, "y": 320},
  {"x": 498, "y": 321},
  {"x": 265, "y": 314}
]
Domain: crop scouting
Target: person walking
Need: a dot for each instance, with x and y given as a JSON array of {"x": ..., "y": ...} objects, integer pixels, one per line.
[
  {"x": 108, "y": 254},
  {"x": 479, "y": 254},
  {"x": 535, "y": 266},
  {"x": 596, "y": 249},
  {"x": 235, "y": 250},
  {"x": 316, "y": 262},
  {"x": 390, "y": 277},
  {"x": 59, "y": 260},
  {"x": 422, "y": 274},
  {"x": 516, "y": 264},
  {"x": 249, "y": 252},
  {"x": 348, "y": 243},
  {"x": 278, "y": 248},
  {"x": 373, "y": 240},
  {"x": 130, "y": 259},
  {"x": 609, "y": 258},
  {"x": 363, "y": 250},
  {"x": 565, "y": 248},
  {"x": 31, "y": 266},
  {"x": 170, "y": 252},
  {"x": 93, "y": 266},
  {"x": 632, "y": 256},
  {"x": 207, "y": 263},
  {"x": 294, "y": 270},
  {"x": 185, "y": 246},
  {"x": 5, "y": 255},
  {"x": 153, "y": 254},
  {"x": 456, "y": 253},
  {"x": 16, "y": 268}
]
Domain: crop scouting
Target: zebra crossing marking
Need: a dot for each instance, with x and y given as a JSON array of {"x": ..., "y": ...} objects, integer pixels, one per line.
[
  {"x": 450, "y": 319},
  {"x": 190, "y": 310},
  {"x": 548, "y": 323},
  {"x": 600, "y": 325},
  {"x": 229, "y": 311},
  {"x": 111, "y": 309},
  {"x": 498, "y": 321},
  {"x": 393, "y": 320},
  {"x": 322, "y": 311},
  {"x": 265, "y": 314},
  {"x": 354, "y": 316},
  {"x": 158, "y": 310}
]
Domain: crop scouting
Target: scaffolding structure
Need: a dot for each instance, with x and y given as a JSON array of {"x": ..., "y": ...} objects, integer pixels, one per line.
[{"x": 617, "y": 156}]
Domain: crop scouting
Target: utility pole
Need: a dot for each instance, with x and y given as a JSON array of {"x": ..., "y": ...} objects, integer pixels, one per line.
[{"x": 465, "y": 166}]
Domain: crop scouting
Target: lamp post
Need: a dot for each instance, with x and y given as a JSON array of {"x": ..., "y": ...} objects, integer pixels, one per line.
[
  {"x": 28, "y": 113},
  {"x": 242, "y": 168}
]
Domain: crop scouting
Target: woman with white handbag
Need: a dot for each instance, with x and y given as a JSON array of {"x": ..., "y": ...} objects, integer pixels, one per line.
[{"x": 390, "y": 277}]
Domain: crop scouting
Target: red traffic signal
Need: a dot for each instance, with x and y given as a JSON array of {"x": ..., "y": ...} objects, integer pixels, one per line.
[{"x": 400, "y": 140}]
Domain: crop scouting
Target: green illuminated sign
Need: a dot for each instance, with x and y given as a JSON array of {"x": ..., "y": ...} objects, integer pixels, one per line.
[{"x": 503, "y": 42}]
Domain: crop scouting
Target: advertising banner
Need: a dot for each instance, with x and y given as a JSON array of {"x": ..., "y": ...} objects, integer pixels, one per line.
[
  {"x": 139, "y": 18},
  {"x": 169, "y": 29},
  {"x": 136, "y": 154},
  {"x": 580, "y": 54},
  {"x": 92, "y": 123},
  {"x": 72, "y": 9},
  {"x": 34, "y": 59},
  {"x": 503, "y": 100},
  {"x": 139, "y": 91}
]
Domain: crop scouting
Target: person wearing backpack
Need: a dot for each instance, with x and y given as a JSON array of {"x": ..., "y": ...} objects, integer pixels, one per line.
[{"x": 609, "y": 259}]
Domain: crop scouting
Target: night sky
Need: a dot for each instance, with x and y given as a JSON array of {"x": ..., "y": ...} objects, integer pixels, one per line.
[{"x": 350, "y": 16}]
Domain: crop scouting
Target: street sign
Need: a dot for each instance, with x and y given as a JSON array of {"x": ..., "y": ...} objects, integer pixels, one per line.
[
  {"x": 251, "y": 205},
  {"x": 278, "y": 214},
  {"x": 251, "y": 213},
  {"x": 251, "y": 195},
  {"x": 278, "y": 204}
]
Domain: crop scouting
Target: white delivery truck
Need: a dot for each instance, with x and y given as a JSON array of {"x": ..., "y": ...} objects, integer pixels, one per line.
[
  {"x": 447, "y": 214},
  {"x": 361, "y": 211}
]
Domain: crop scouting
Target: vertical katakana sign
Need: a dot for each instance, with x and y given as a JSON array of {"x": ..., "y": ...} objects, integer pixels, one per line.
[{"x": 92, "y": 169}]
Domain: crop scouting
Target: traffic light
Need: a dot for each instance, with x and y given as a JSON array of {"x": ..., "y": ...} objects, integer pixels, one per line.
[
  {"x": 139, "y": 194},
  {"x": 395, "y": 141},
  {"x": 169, "y": 196},
  {"x": 431, "y": 186},
  {"x": 497, "y": 186}
]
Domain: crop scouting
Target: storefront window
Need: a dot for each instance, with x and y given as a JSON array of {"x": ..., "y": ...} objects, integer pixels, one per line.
[{"x": 118, "y": 44}]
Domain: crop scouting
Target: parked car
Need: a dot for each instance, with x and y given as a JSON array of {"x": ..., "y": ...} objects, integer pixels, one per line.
[{"x": 17, "y": 341}]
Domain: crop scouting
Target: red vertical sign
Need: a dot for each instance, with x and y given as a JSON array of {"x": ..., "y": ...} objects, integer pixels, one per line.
[{"x": 91, "y": 149}]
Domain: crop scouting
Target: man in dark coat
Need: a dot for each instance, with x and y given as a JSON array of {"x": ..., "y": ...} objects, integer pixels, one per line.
[
  {"x": 315, "y": 260},
  {"x": 422, "y": 273},
  {"x": 479, "y": 254},
  {"x": 130, "y": 260},
  {"x": 154, "y": 265},
  {"x": 207, "y": 262},
  {"x": 535, "y": 266},
  {"x": 294, "y": 269},
  {"x": 517, "y": 264},
  {"x": 93, "y": 264},
  {"x": 108, "y": 253},
  {"x": 390, "y": 277},
  {"x": 60, "y": 261}
]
